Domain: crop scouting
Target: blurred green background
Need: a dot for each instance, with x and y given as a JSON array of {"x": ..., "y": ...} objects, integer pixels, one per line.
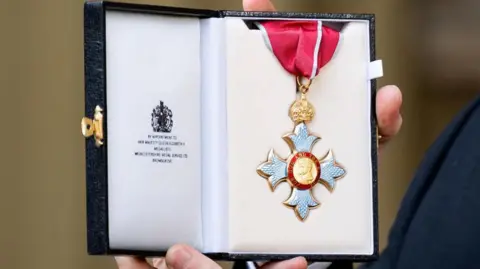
[{"x": 429, "y": 49}]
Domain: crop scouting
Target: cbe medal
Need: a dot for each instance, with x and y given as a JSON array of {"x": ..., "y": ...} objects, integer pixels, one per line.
[{"x": 292, "y": 42}]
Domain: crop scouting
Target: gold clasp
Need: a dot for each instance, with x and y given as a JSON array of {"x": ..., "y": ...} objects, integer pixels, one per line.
[{"x": 94, "y": 127}]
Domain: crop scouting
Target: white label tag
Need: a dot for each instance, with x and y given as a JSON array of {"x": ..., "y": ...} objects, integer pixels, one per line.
[{"x": 375, "y": 69}]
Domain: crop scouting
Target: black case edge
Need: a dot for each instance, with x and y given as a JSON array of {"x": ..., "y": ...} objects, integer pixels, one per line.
[
  {"x": 374, "y": 140},
  {"x": 96, "y": 158},
  {"x": 289, "y": 15}
]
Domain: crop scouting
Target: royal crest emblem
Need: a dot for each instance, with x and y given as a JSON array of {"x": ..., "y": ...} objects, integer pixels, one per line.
[{"x": 162, "y": 119}]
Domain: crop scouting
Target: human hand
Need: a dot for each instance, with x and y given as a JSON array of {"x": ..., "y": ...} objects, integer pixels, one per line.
[
  {"x": 388, "y": 101},
  {"x": 185, "y": 257}
]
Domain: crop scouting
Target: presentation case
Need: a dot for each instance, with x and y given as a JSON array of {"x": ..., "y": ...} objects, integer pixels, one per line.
[{"x": 181, "y": 108}]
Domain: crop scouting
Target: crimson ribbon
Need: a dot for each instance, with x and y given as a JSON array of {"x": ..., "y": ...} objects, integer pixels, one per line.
[{"x": 302, "y": 47}]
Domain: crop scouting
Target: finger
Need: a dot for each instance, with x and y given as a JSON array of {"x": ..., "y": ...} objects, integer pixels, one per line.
[
  {"x": 132, "y": 263},
  {"x": 258, "y": 5},
  {"x": 183, "y": 257},
  {"x": 296, "y": 263},
  {"x": 388, "y": 104},
  {"x": 159, "y": 263}
]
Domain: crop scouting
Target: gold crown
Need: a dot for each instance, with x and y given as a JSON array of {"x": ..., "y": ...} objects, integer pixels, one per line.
[{"x": 301, "y": 111}]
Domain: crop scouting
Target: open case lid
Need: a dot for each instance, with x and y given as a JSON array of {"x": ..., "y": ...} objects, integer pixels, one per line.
[{"x": 96, "y": 95}]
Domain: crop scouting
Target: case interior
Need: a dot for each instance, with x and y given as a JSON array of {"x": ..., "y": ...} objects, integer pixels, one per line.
[{"x": 229, "y": 98}]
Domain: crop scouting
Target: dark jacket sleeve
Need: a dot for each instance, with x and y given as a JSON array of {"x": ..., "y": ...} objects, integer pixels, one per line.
[{"x": 440, "y": 213}]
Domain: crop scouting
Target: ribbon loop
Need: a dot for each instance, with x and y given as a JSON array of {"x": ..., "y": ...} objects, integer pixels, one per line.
[{"x": 302, "y": 47}]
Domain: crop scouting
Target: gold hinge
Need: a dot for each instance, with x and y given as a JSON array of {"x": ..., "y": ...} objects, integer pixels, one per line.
[
  {"x": 94, "y": 127},
  {"x": 379, "y": 137}
]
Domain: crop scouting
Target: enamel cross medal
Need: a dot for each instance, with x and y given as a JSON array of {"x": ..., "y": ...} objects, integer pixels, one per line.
[{"x": 302, "y": 47}]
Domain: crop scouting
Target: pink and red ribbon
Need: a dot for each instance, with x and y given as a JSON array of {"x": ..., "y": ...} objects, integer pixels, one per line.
[{"x": 302, "y": 47}]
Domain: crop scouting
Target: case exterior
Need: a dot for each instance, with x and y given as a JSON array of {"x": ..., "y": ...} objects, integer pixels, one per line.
[{"x": 97, "y": 157}]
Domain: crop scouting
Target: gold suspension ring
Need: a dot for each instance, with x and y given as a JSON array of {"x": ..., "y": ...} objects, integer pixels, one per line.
[{"x": 303, "y": 87}]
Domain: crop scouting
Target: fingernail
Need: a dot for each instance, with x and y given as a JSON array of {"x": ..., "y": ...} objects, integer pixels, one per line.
[
  {"x": 157, "y": 262},
  {"x": 178, "y": 258},
  {"x": 301, "y": 261}
]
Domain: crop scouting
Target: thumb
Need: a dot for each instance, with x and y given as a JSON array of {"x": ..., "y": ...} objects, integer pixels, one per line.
[
  {"x": 132, "y": 263},
  {"x": 296, "y": 263},
  {"x": 183, "y": 256}
]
